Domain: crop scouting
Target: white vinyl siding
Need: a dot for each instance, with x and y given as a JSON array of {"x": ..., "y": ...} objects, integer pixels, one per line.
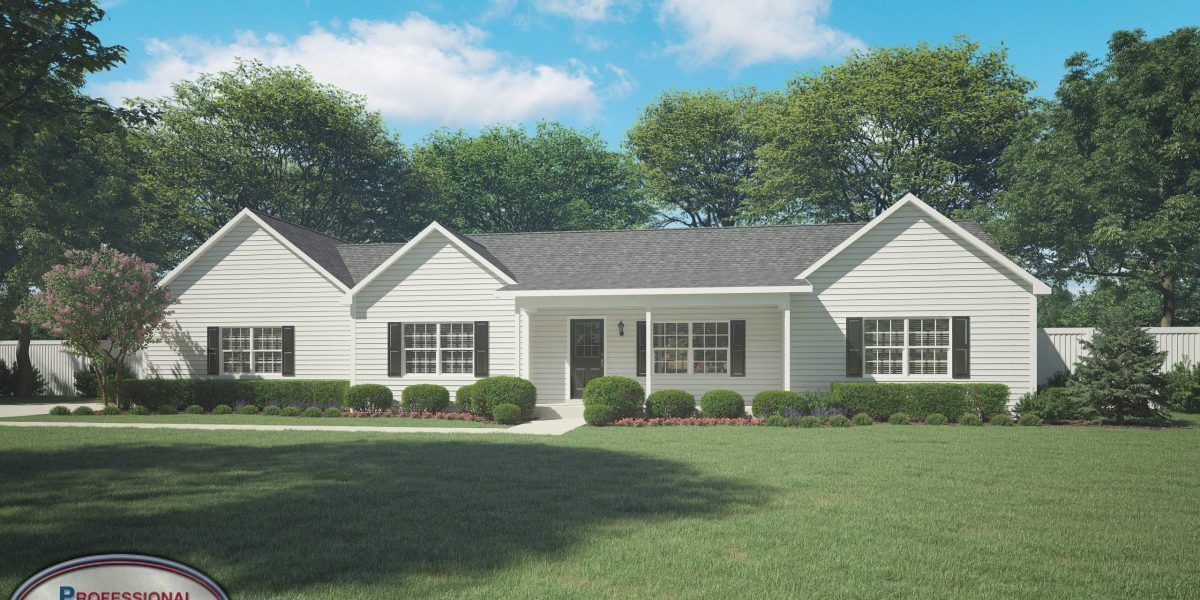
[
  {"x": 434, "y": 283},
  {"x": 249, "y": 279},
  {"x": 909, "y": 266}
]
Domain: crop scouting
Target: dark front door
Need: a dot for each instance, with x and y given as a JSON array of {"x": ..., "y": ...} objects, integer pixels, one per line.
[{"x": 587, "y": 353}]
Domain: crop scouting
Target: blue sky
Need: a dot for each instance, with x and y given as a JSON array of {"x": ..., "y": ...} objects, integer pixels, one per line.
[{"x": 590, "y": 63}]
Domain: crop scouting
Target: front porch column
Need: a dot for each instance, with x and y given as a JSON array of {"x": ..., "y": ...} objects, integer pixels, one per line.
[
  {"x": 524, "y": 324},
  {"x": 787, "y": 346},
  {"x": 649, "y": 349}
]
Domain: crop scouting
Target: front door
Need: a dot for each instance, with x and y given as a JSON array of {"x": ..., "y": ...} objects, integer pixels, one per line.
[{"x": 587, "y": 353}]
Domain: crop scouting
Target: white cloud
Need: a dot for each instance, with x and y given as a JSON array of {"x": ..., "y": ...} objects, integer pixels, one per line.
[
  {"x": 580, "y": 10},
  {"x": 753, "y": 31},
  {"x": 412, "y": 70}
]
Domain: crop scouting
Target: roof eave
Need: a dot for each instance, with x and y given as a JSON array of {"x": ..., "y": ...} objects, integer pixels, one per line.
[{"x": 799, "y": 288}]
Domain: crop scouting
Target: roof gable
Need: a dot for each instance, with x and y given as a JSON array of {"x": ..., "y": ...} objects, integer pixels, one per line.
[{"x": 459, "y": 241}]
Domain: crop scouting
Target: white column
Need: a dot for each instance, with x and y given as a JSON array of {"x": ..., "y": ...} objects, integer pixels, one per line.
[
  {"x": 353, "y": 344},
  {"x": 524, "y": 325},
  {"x": 517, "y": 342},
  {"x": 649, "y": 349},
  {"x": 787, "y": 346}
]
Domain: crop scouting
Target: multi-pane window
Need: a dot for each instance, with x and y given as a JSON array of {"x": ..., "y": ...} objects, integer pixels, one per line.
[
  {"x": 691, "y": 347},
  {"x": 887, "y": 342},
  {"x": 251, "y": 350},
  {"x": 431, "y": 348}
]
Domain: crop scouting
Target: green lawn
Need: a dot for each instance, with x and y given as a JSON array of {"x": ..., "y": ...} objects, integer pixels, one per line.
[
  {"x": 723, "y": 512},
  {"x": 255, "y": 420}
]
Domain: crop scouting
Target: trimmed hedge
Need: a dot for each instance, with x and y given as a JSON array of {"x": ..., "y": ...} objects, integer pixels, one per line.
[
  {"x": 723, "y": 404},
  {"x": 490, "y": 392},
  {"x": 881, "y": 400},
  {"x": 425, "y": 397},
  {"x": 936, "y": 419},
  {"x": 599, "y": 414},
  {"x": 462, "y": 397},
  {"x": 506, "y": 414},
  {"x": 60, "y": 411},
  {"x": 208, "y": 393},
  {"x": 624, "y": 395},
  {"x": 370, "y": 396},
  {"x": 774, "y": 402},
  {"x": 670, "y": 403},
  {"x": 899, "y": 419}
]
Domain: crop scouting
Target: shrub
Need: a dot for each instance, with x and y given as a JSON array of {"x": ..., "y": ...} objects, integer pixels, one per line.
[
  {"x": 332, "y": 412},
  {"x": 624, "y": 395},
  {"x": 208, "y": 393},
  {"x": 140, "y": 410},
  {"x": 222, "y": 409},
  {"x": 1118, "y": 372},
  {"x": 194, "y": 409},
  {"x": 168, "y": 409},
  {"x": 248, "y": 409},
  {"x": 503, "y": 389},
  {"x": 1055, "y": 404},
  {"x": 862, "y": 419},
  {"x": 1183, "y": 387},
  {"x": 970, "y": 419},
  {"x": 1030, "y": 420},
  {"x": 838, "y": 421},
  {"x": 83, "y": 411},
  {"x": 1057, "y": 379},
  {"x": 1001, "y": 420},
  {"x": 110, "y": 410},
  {"x": 936, "y": 419},
  {"x": 726, "y": 404},
  {"x": 599, "y": 414},
  {"x": 808, "y": 422},
  {"x": 899, "y": 418},
  {"x": 425, "y": 397},
  {"x": 776, "y": 402},
  {"x": 59, "y": 411},
  {"x": 271, "y": 410},
  {"x": 880, "y": 400},
  {"x": 86, "y": 381},
  {"x": 153, "y": 393},
  {"x": 777, "y": 421},
  {"x": 7, "y": 380},
  {"x": 670, "y": 403},
  {"x": 462, "y": 398},
  {"x": 312, "y": 412},
  {"x": 370, "y": 396},
  {"x": 287, "y": 411},
  {"x": 506, "y": 414}
]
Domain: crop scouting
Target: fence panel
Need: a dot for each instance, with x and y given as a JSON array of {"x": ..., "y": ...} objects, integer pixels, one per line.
[
  {"x": 56, "y": 366},
  {"x": 1059, "y": 348}
]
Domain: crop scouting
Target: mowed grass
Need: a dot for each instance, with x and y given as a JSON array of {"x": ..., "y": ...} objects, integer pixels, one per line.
[
  {"x": 236, "y": 419},
  {"x": 722, "y": 512}
]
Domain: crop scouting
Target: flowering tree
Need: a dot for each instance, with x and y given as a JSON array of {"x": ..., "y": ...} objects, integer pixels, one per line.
[{"x": 104, "y": 305}]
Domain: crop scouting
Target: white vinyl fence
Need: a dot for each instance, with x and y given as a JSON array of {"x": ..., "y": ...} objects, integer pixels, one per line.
[
  {"x": 1059, "y": 348},
  {"x": 47, "y": 356}
]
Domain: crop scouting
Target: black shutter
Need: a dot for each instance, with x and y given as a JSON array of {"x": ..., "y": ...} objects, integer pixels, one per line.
[
  {"x": 481, "y": 349},
  {"x": 214, "y": 350},
  {"x": 737, "y": 348},
  {"x": 960, "y": 340},
  {"x": 854, "y": 346},
  {"x": 395, "y": 345},
  {"x": 641, "y": 348},
  {"x": 289, "y": 350}
]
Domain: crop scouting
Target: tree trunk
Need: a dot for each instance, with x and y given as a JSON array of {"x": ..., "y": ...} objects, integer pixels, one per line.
[
  {"x": 1167, "y": 289},
  {"x": 118, "y": 391},
  {"x": 24, "y": 373}
]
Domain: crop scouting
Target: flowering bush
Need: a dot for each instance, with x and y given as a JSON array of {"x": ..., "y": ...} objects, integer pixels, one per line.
[
  {"x": 104, "y": 305},
  {"x": 656, "y": 422},
  {"x": 447, "y": 416}
]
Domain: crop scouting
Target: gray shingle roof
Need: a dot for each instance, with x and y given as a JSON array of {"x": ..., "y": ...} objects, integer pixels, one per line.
[{"x": 616, "y": 259}]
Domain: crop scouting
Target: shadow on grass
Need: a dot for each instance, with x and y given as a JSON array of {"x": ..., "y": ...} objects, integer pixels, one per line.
[{"x": 274, "y": 519}]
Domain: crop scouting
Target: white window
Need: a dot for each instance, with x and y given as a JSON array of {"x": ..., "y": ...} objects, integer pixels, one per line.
[
  {"x": 701, "y": 347},
  {"x": 432, "y": 348},
  {"x": 251, "y": 350},
  {"x": 925, "y": 343}
]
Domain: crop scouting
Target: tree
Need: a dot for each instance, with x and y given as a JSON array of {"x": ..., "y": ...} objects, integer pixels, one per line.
[
  {"x": 104, "y": 305},
  {"x": 1104, "y": 182},
  {"x": 1087, "y": 307},
  {"x": 275, "y": 140},
  {"x": 697, "y": 151},
  {"x": 1120, "y": 372},
  {"x": 844, "y": 143},
  {"x": 505, "y": 180},
  {"x": 47, "y": 50}
]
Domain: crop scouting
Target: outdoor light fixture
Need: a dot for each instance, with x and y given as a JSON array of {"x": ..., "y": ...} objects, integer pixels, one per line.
[{"x": 621, "y": 328}]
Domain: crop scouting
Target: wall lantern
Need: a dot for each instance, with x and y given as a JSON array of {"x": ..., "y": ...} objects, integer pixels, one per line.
[{"x": 621, "y": 328}]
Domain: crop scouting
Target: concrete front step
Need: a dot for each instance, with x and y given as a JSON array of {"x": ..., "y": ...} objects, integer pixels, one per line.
[{"x": 559, "y": 411}]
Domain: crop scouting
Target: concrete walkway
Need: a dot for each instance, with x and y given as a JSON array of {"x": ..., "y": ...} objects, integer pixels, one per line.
[{"x": 41, "y": 408}]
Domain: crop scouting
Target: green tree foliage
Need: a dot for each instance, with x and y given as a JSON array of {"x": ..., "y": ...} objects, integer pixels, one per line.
[
  {"x": 275, "y": 140},
  {"x": 1105, "y": 181},
  {"x": 845, "y": 142},
  {"x": 505, "y": 180},
  {"x": 1088, "y": 307},
  {"x": 1120, "y": 374},
  {"x": 48, "y": 50},
  {"x": 697, "y": 152}
]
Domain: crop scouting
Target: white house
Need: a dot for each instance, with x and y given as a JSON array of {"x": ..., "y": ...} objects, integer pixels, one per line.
[{"x": 908, "y": 296}]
